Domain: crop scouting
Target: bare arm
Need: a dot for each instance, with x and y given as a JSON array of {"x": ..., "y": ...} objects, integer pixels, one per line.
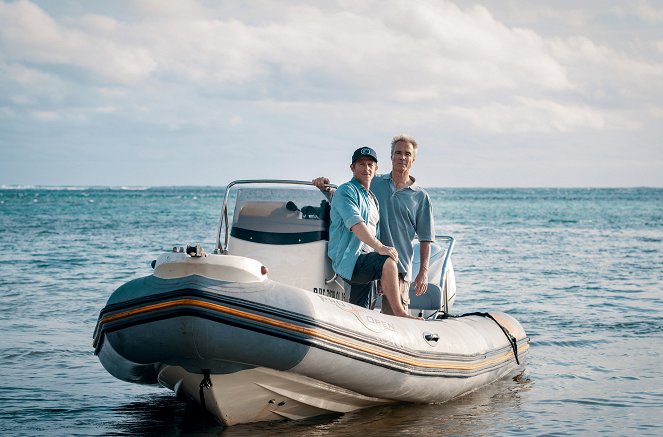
[
  {"x": 421, "y": 281},
  {"x": 322, "y": 183},
  {"x": 362, "y": 232}
]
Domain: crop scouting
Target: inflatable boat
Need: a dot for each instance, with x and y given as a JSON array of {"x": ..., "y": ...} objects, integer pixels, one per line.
[{"x": 260, "y": 328}]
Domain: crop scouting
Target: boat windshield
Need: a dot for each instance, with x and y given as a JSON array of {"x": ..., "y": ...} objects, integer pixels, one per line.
[{"x": 274, "y": 212}]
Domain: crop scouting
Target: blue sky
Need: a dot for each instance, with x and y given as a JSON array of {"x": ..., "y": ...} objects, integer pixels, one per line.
[{"x": 498, "y": 93}]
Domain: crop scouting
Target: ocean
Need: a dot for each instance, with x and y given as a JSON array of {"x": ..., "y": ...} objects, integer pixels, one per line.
[{"x": 581, "y": 269}]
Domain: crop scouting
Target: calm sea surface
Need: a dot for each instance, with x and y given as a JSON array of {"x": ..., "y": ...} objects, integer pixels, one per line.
[{"x": 582, "y": 269}]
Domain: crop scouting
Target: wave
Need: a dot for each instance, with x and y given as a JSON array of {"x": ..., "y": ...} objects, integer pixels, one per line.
[
  {"x": 74, "y": 187},
  {"x": 129, "y": 188}
]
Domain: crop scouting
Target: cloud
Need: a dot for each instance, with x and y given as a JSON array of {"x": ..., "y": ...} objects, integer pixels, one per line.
[
  {"x": 645, "y": 11},
  {"x": 28, "y": 34},
  {"x": 649, "y": 13},
  {"x": 606, "y": 76},
  {"x": 300, "y": 55},
  {"x": 285, "y": 73},
  {"x": 45, "y": 115},
  {"x": 530, "y": 115},
  {"x": 29, "y": 77},
  {"x": 451, "y": 48}
]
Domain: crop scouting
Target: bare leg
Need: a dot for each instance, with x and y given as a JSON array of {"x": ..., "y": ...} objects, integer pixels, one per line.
[
  {"x": 391, "y": 291},
  {"x": 386, "y": 308}
]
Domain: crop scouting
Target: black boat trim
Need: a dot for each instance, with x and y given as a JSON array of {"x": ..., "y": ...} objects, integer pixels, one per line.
[
  {"x": 302, "y": 330},
  {"x": 278, "y": 238}
]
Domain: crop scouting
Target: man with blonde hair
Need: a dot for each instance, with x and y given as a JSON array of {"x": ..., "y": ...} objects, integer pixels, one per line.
[{"x": 406, "y": 213}]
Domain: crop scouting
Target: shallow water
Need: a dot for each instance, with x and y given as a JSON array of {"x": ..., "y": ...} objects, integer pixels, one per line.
[{"x": 582, "y": 269}]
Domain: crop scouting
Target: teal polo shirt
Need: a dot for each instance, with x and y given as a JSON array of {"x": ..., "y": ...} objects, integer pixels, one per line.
[
  {"x": 404, "y": 214},
  {"x": 350, "y": 205}
]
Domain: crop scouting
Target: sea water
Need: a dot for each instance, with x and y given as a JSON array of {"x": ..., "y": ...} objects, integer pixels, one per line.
[{"x": 582, "y": 269}]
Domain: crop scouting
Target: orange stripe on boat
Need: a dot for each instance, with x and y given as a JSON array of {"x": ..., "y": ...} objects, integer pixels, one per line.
[{"x": 311, "y": 332}]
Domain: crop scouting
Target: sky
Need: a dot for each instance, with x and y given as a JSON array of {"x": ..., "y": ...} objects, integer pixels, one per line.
[{"x": 497, "y": 93}]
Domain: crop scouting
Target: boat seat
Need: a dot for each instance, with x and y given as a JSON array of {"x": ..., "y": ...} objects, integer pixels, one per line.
[{"x": 431, "y": 300}]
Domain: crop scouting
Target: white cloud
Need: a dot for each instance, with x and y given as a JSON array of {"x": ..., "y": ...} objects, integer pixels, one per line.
[
  {"x": 341, "y": 71},
  {"x": 190, "y": 9},
  {"x": 530, "y": 115},
  {"x": 29, "y": 77},
  {"x": 7, "y": 113},
  {"x": 440, "y": 44},
  {"x": 34, "y": 86},
  {"x": 593, "y": 65},
  {"x": 530, "y": 14},
  {"x": 656, "y": 111},
  {"x": 236, "y": 120},
  {"x": 21, "y": 100},
  {"x": 98, "y": 24},
  {"x": 648, "y": 13},
  {"x": 45, "y": 115},
  {"x": 27, "y": 33},
  {"x": 105, "y": 109},
  {"x": 113, "y": 92}
]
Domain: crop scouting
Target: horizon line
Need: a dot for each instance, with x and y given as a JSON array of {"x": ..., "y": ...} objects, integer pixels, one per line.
[{"x": 145, "y": 187}]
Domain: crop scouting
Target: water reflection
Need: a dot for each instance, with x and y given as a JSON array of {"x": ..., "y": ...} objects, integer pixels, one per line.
[
  {"x": 164, "y": 415},
  {"x": 490, "y": 410}
]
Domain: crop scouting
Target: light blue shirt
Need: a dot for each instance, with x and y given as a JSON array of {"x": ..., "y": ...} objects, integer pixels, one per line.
[
  {"x": 404, "y": 214},
  {"x": 350, "y": 205}
]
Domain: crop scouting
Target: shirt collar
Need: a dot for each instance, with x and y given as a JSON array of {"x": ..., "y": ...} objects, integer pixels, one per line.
[
  {"x": 358, "y": 184},
  {"x": 414, "y": 187}
]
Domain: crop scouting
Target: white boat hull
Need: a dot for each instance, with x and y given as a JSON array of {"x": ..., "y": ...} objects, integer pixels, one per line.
[
  {"x": 262, "y": 394},
  {"x": 252, "y": 349}
]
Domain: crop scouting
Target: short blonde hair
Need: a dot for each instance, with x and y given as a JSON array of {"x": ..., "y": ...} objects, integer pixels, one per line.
[{"x": 406, "y": 138}]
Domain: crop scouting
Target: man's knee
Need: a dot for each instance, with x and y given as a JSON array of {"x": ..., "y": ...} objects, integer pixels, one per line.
[{"x": 389, "y": 266}]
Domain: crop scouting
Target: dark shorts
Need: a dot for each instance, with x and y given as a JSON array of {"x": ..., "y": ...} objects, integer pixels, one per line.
[{"x": 368, "y": 269}]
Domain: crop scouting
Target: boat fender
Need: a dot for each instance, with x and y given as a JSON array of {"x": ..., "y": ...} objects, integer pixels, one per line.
[
  {"x": 511, "y": 338},
  {"x": 205, "y": 383}
]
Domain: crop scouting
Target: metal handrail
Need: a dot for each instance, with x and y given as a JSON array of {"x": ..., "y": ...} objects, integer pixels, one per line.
[
  {"x": 452, "y": 241},
  {"x": 224, "y": 210}
]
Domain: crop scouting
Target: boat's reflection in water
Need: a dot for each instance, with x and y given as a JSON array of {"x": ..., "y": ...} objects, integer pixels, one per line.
[{"x": 473, "y": 414}]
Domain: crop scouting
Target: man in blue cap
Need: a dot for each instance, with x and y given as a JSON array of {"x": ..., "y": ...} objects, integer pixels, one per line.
[{"x": 356, "y": 253}]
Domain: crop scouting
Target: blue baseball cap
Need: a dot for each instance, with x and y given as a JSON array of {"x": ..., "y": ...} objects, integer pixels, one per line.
[{"x": 364, "y": 152}]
